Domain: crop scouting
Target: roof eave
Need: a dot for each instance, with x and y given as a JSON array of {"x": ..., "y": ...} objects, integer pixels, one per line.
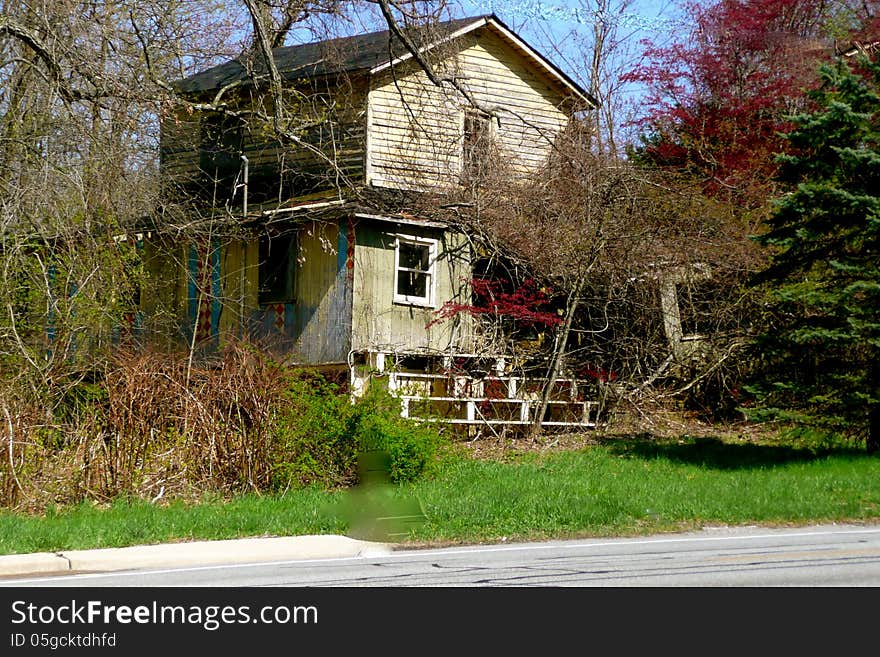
[{"x": 572, "y": 87}]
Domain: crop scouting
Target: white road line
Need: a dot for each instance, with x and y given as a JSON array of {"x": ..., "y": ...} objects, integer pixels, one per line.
[{"x": 446, "y": 552}]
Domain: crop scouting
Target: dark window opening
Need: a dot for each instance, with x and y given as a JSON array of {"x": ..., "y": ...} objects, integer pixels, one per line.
[
  {"x": 277, "y": 260},
  {"x": 220, "y": 152},
  {"x": 412, "y": 274},
  {"x": 412, "y": 284},
  {"x": 476, "y": 144}
]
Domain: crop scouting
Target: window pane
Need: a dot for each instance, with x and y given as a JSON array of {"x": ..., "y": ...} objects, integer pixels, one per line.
[
  {"x": 412, "y": 284},
  {"x": 414, "y": 256}
]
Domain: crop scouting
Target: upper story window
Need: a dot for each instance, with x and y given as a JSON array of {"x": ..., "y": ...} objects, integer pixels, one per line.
[
  {"x": 415, "y": 264},
  {"x": 476, "y": 144},
  {"x": 277, "y": 261},
  {"x": 221, "y": 143}
]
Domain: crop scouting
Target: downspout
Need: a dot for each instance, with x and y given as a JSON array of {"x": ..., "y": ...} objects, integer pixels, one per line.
[{"x": 244, "y": 184}]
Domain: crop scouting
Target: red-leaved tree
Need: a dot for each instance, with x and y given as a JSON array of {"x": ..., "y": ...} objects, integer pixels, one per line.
[
  {"x": 526, "y": 305},
  {"x": 720, "y": 95}
]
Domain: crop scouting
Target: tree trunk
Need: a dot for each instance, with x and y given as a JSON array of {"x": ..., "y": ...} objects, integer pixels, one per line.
[{"x": 558, "y": 354}]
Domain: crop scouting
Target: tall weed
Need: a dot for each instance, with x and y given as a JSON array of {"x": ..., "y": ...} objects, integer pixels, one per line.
[{"x": 154, "y": 426}]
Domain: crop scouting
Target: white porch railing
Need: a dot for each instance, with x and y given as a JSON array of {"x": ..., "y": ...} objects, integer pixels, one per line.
[{"x": 458, "y": 396}]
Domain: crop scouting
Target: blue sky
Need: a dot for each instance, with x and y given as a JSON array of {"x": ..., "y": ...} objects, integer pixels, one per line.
[
  {"x": 562, "y": 31},
  {"x": 557, "y": 25}
]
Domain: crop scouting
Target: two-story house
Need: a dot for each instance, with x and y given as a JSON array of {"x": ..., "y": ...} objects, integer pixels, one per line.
[{"x": 309, "y": 241}]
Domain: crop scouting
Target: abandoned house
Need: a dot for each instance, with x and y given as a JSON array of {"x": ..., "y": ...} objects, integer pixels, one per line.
[{"x": 308, "y": 242}]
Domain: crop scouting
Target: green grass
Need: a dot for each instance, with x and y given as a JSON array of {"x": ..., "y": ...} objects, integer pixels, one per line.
[
  {"x": 637, "y": 487},
  {"x": 621, "y": 487},
  {"x": 139, "y": 523}
]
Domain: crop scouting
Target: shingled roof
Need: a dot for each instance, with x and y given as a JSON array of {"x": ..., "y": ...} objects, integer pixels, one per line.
[{"x": 363, "y": 53}]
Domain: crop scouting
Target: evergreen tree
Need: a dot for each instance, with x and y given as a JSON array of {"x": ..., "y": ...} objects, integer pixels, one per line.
[{"x": 819, "y": 360}]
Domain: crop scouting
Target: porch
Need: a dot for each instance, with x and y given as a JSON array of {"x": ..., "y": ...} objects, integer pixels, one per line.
[{"x": 472, "y": 389}]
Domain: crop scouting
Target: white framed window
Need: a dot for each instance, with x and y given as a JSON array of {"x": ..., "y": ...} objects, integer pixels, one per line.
[{"x": 415, "y": 275}]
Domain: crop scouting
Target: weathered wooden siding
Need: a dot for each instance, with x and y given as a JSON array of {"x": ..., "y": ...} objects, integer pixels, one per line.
[
  {"x": 210, "y": 290},
  {"x": 398, "y": 130},
  {"x": 331, "y": 122},
  {"x": 380, "y": 324},
  {"x": 162, "y": 299},
  {"x": 416, "y": 128},
  {"x": 322, "y": 314},
  {"x": 414, "y": 132},
  {"x": 239, "y": 267},
  {"x": 206, "y": 287}
]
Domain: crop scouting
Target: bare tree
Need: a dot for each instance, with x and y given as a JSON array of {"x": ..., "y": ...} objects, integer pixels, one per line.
[
  {"x": 84, "y": 86},
  {"x": 645, "y": 274}
]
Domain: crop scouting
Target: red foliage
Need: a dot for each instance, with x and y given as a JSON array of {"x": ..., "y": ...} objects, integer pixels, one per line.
[
  {"x": 599, "y": 373},
  {"x": 720, "y": 96},
  {"x": 526, "y": 304},
  {"x": 494, "y": 388}
]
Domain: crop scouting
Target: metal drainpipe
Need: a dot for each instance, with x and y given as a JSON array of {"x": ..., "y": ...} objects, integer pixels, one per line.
[{"x": 244, "y": 184}]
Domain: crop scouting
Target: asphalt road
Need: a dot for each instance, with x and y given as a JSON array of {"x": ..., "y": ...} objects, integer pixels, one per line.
[{"x": 818, "y": 556}]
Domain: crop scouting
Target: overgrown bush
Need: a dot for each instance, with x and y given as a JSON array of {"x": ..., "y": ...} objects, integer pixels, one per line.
[
  {"x": 313, "y": 436},
  {"x": 154, "y": 425},
  {"x": 410, "y": 446},
  {"x": 322, "y": 433}
]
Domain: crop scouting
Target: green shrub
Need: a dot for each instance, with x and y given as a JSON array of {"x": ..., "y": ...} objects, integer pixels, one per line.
[
  {"x": 313, "y": 442},
  {"x": 411, "y": 447},
  {"x": 321, "y": 434}
]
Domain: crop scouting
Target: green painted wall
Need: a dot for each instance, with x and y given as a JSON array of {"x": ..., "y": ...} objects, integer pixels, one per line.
[{"x": 380, "y": 324}]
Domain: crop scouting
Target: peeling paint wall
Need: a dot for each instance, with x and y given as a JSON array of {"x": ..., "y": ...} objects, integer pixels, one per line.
[
  {"x": 378, "y": 323},
  {"x": 344, "y": 282},
  {"x": 322, "y": 317}
]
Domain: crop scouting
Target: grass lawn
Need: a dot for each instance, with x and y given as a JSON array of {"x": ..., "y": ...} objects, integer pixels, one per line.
[{"x": 620, "y": 486}]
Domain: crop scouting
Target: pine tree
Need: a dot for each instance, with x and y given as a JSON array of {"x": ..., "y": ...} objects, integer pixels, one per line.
[{"x": 820, "y": 358}]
